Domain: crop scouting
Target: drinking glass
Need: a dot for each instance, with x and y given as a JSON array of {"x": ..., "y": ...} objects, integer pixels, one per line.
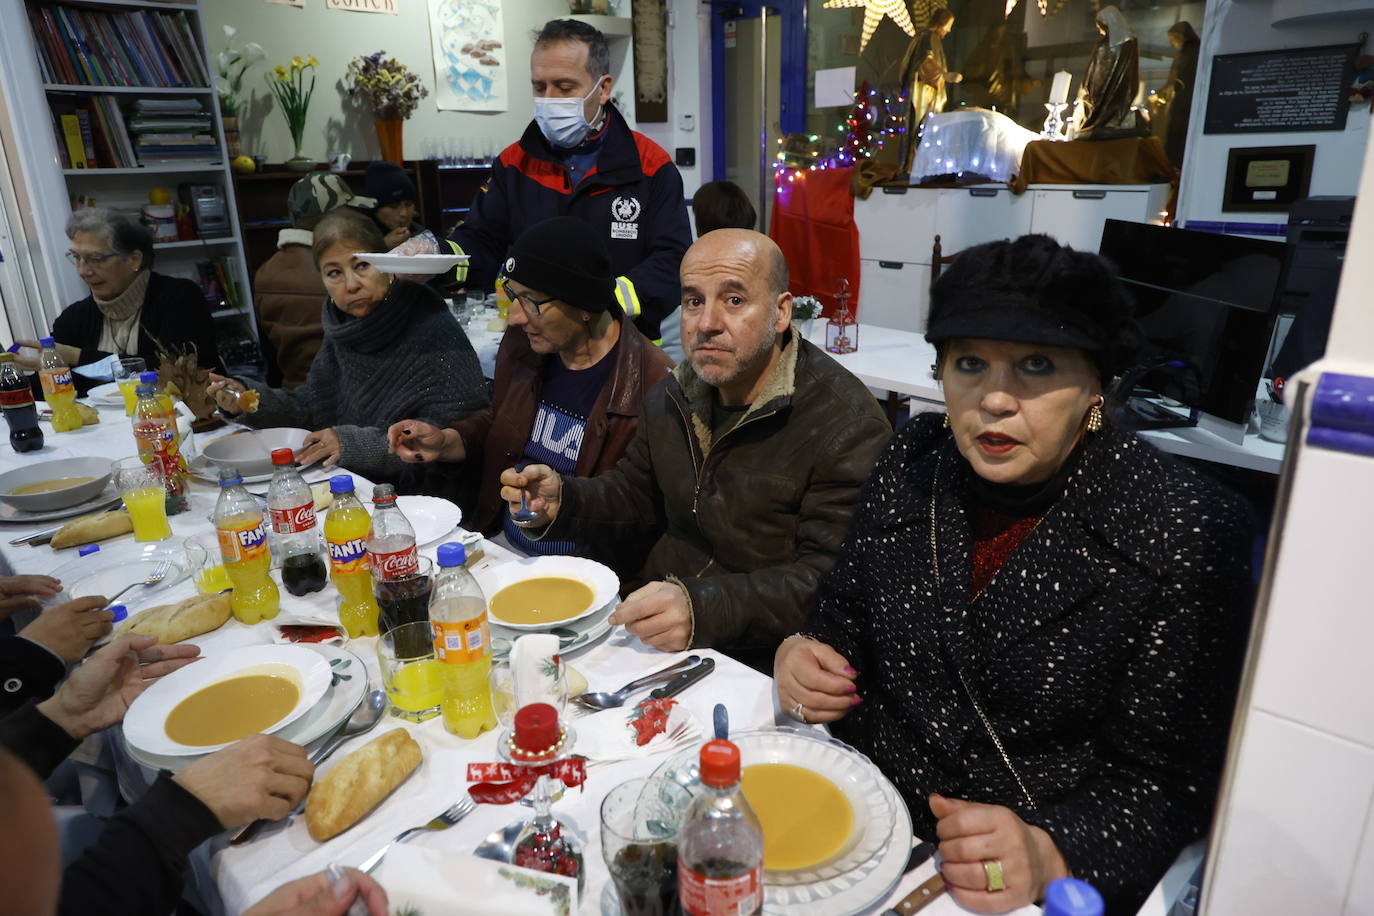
[
  {"x": 411, "y": 675},
  {"x": 403, "y": 599},
  {"x": 205, "y": 564},
  {"x": 639, "y": 824},
  {"x": 501, "y": 677},
  {"x": 145, "y": 497},
  {"x": 126, "y": 373}
]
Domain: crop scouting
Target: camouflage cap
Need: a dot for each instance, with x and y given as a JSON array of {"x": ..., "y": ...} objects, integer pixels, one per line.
[{"x": 320, "y": 192}]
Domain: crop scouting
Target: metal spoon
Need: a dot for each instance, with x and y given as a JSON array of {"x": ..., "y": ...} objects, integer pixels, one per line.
[
  {"x": 363, "y": 720},
  {"x": 500, "y": 846},
  {"x": 614, "y": 698},
  {"x": 524, "y": 516}
]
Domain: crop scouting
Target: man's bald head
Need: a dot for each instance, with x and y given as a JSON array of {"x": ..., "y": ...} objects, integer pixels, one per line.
[
  {"x": 30, "y": 864},
  {"x": 763, "y": 251}
]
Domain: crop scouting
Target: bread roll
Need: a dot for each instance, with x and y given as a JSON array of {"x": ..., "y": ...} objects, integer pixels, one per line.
[
  {"x": 320, "y": 493},
  {"x": 174, "y": 622},
  {"x": 89, "y": 416},
  {"x": 90, "y": 528},
  {"x": 359, "y": 782}
]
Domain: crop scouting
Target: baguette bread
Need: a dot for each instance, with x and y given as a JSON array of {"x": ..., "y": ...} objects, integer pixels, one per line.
[
  {"x": 89, "y": 415},
  {"x": 174, "y": 622},
  {"x": 90, "y": 528},
  {"x": 359, "y": 782}
]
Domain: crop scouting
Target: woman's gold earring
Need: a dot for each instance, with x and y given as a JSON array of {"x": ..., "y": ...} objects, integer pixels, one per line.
[
  {"x": 946, "y": 421},
  {"x": 1095, "y": 418}
]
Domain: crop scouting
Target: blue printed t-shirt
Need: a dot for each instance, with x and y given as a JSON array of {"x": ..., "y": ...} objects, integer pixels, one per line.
[{"x": 556, "y": 436}]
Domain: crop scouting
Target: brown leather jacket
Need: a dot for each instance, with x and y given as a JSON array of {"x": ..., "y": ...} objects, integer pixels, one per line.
[
  {"x": 495, "y": 438},
  {"x": 290, "y": 295},
  {"x": 748, "y": 524}
]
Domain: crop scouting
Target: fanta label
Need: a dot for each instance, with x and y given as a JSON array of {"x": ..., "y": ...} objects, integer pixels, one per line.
[
  {"x": 348, "y": 556},
  {"x": 238, "y": 545},
  {"x": 294, "y": 520},
  {"x": 397, "y": 565},
  {"x": 56, "y": 381}
]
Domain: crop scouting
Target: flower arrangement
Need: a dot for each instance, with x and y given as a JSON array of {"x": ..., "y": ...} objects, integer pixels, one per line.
[
  {"x": 288, "y": 85},
  {"x": 804, "y": 308},
  {"x": 392, "y": 91},
  {"x": 230, "y": 65}
]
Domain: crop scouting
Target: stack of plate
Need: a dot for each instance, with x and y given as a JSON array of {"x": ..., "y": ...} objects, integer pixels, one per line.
[
  {"x": 331, "y": 682},
  {"x": 573, "y": 632},
  {"x": 870, "y": 862}
]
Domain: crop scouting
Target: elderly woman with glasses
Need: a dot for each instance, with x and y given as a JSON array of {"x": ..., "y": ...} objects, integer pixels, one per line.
[
  {"x": 391, "y": 350},
  {"x": 570, "y": 376},
  {"x": 131, "y": 310}
]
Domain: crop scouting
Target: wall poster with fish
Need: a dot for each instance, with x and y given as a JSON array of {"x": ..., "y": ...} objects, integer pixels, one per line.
[{"x": 469, "y": 39}]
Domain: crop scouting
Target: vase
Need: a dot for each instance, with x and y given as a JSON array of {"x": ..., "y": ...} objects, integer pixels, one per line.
[
  {"x": 300, "y": 162},
  {"x": 231, "y": 137},
  {"x": 389, "y": 138}
]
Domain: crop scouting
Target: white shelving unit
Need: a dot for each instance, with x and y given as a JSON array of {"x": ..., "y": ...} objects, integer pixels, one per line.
[{"x": 45, "y": 189}]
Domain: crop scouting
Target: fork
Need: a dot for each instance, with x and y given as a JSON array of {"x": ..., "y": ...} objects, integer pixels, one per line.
[
  {"x": 460, "y": 809},
  {"x": 159, "y": 573}
]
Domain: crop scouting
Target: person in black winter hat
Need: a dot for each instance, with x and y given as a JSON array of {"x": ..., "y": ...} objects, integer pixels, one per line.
[{"x": 390, "y": 185}]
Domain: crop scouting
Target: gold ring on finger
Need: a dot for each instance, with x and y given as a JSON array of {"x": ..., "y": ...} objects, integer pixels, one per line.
[{"x": 993, "y": 869}]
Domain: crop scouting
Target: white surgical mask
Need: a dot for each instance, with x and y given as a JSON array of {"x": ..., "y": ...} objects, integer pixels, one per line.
[{"x": 562, "y": 121}]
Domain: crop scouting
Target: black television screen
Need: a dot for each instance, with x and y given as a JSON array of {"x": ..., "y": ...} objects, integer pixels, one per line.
[{"x": 1205, "y": 301}]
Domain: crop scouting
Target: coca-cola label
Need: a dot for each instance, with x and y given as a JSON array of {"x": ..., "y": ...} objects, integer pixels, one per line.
[
  {"x": 348, "y": 556},
  {"x": 703, "y": 896},
  {"x": 56, "y": 381},
  {"x": 397, "y": 565},
  {"x": 21, "y": 397},
  {"x": 293, "y": 520}
]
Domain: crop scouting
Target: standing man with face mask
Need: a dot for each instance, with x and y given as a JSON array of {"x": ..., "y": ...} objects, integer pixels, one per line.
[{"x": 579, "y": 158}]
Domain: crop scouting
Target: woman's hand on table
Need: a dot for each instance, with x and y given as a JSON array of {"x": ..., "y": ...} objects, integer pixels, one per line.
[
  {"x": 225, "y": 393},
  {"x": 320, "y": 446},
  {"x": 418, "y": 442},
  {"x": 542, "y": 487},
  {"x": 98, "y": 692},
  {"x": 258, "y": 777},
  {"x": 660, "y": 614},
  {"x": 811, "y": 673},
  {"x": 972, "y": 833},
  {"x": 71, "y": 628},
  {"x": 23, "y": 593},
  {"x": 316, "y": 895}
]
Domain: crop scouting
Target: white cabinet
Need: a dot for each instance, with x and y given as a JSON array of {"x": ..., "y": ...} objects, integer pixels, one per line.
[
  {"x": 1073, "y": 214},
  {"x": 894, "y": 294},
  {"x": 983, "y": 213},
  {"x": 896, "y": 226}
]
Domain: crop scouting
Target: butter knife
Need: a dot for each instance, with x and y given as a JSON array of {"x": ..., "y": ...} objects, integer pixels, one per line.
[
  {"x": 932, "y": 888},
  {"x": 684, "y": 680}
]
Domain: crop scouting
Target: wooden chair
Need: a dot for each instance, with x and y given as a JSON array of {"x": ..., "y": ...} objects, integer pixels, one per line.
[{"x": 938, "y": 259}]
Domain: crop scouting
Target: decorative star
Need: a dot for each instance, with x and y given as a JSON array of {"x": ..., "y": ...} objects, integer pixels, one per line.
[{"x": 874, "y": 11}]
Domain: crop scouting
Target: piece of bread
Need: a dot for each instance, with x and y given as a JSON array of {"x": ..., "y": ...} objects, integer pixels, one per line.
[
  {"x": 359, "y": 782},
  {"x": 320, "y": 493},
  {"x": 89, "y": 416},
  {"x": 174, "y": 622},
  {"x": 90, "y": 528}
]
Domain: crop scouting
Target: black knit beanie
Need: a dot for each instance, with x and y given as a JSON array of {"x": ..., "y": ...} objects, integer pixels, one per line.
[
  {"x": 388, "y": 183},
  {"x": 563, "y": 257}
]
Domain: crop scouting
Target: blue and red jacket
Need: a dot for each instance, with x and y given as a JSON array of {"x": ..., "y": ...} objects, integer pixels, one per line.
[{"x": 633, "y": 196}]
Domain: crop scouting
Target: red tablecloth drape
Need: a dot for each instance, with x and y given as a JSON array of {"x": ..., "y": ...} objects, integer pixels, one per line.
[{"x": 813, "y": 224}]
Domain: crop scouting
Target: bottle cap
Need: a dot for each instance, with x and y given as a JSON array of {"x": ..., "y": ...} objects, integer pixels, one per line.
[
  {"x": 85, "y": 550},
  {"x": 453, "y": 554},
  {"x": 537, "y": 734},
  {"x": 46, "y": 342},
  {"x": 719, "y": 763},
  {"x": 1072, "y": 897},
  {"x": 383, "y": 492},
  {"x": 341, "y": 483},
  {"x": 120, "y": 612},
  {"x": 283, "y": 456},
  {"x": 6, "y": 357},
  {"x": 229, "y": 475},
  {"x": 147, "y": 378}
]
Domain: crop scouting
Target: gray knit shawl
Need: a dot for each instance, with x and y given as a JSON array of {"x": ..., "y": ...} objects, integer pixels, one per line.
[{"x": 407, "y": 359}]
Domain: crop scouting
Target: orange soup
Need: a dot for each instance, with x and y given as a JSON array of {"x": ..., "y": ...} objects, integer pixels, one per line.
[
  {"x": 547, "y": 599},
  {"x": 232, "y": 709},
  {"x": 806, "y": 818}
]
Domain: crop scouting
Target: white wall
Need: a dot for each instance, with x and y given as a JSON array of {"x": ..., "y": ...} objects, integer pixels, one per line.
[{"x": 1235, "y": 27}]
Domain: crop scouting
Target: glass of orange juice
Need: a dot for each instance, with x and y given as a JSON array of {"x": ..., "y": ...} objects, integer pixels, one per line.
[
  {"x": 207, "y": 569},
  {"x": 144, "y": 497},
  {"x": 126, "y": 373},
  {"x": 412, "y": 676}
]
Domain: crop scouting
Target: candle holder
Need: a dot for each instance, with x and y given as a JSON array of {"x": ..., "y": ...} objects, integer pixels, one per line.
[
  {"x": 1055, "y": 121},
  {"x": 842, "y": 330}
]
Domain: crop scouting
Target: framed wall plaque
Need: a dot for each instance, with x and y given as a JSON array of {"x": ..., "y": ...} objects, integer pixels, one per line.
[
  {"x": 1266, "y": 179},
  {"x": 1286, "y": 90}
]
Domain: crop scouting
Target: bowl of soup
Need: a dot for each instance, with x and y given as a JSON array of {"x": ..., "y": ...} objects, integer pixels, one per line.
[
  {"x": 542, "y": 593},
  {"x": 251, "y": 450},
  {"x": 58, "y": 484}
]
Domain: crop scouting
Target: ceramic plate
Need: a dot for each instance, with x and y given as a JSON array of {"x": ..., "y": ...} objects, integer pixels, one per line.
[
  {"x": 871, "y": 868},
  {"x": 343, "y": 695},
  {"x": 250, "y": 450},
  {"x": 604, "y": 583},
  {"x": 119, "y": 564},
  {"x": 422, "y": 264},
  {"x": 108, "y": 499},
  {"x": 431, "y": 516},
  {"x": 107, "y": 393},
  {"x": 201, "y": 469},
  {"x": 571, "y": 637},
  {"x": 145, "y": 722}
]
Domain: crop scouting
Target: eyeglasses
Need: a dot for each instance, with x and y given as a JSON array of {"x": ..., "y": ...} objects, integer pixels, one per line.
[
  {"x": 527, "y": 302},
  {"x": 95, "y": 260}
]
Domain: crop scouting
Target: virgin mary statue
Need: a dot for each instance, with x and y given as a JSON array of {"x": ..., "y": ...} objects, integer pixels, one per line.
[{"x": 1111, "y": 82}]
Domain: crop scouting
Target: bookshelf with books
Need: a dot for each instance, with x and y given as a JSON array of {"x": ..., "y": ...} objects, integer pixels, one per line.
[{"x": 132, "y": 123}]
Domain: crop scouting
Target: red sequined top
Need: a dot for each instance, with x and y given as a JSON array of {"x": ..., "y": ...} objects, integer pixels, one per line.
[{"x": 995, "y": 536}]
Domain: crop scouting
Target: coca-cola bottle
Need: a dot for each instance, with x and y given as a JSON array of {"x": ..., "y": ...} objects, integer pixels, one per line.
[
  {"x": 720, "y": 845},
  {"x": 292, "y": 508},
  {"x": 16, "y": 397},
  {"x": 391, "y": 539}
]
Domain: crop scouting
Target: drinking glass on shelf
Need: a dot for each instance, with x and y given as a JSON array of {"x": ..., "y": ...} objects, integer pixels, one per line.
[
  {"x": 411, "y": 675},
  {"x": 141, "y": 486},
  {"x": 126, "y": 373},
  {"x": 205, "y": 564},
  {"x": 639, "y": 824},
  {"x": 403, "y": 598}
]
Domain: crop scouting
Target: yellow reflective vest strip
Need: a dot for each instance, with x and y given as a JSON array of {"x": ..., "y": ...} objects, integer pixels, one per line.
[
  {"x": 460, "y": 273},
  {"x": 627, "y": 297}
]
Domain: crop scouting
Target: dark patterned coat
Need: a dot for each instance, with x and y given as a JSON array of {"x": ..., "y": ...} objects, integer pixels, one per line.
[{"x": 1105, "y": 651}]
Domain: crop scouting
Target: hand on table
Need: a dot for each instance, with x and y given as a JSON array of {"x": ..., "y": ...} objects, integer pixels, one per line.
[
  {"x": 69, "y": 629},
  {"x": 224, "y": 391},
  {"x": 316, "y": 895},
  {"x": 416, "y": 441},
  {"x": 321, "y": 445},
  {"x": 972, "y": 833},
  {"x": 660, "y": 614},
  {"x": 816, "y": 676},
  {"x": 542, "y": 486},
  {"x": 23, "y": 593},
  {"x": 97, "y": 693},
  {"x": 258, "y": 777}
]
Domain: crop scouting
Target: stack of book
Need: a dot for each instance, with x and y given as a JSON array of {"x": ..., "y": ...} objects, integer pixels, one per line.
[
  {"x": 93, "y": 132},
  {"x": 172, "y": 132},
  {"x": 84, "y": 47}
]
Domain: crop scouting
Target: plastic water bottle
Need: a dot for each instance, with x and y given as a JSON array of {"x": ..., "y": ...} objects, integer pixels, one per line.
[
  {"x": 58, "y": 390},
  {"x": 16, "y": 398},
  {"x": 243, "y": 547},
  {"x": 291, "y": 507},
  {"x": 720, "y": 845},
  {"x": 462, "y": 641},
  {"x": 1072, "y": 897},
  {"x": 345, "y": 531},
  {"x": 391, "y": 539}
]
